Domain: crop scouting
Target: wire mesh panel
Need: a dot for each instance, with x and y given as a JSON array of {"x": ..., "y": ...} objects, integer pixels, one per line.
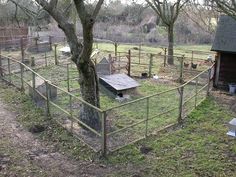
[
  {"x": 163, "y": 110},
  {"x": 126, "y": 123}
]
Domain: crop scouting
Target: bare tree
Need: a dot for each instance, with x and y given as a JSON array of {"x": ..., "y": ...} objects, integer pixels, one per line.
[
  {"x": 227, "y": 6},
  {"x": 168, "y": 11},
  {"x": 203, "y": 14},
  {"x": 81, "y": 52}
]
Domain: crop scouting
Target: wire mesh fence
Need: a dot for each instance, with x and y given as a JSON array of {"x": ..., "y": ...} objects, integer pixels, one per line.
[{"x": 120, "y": 125}]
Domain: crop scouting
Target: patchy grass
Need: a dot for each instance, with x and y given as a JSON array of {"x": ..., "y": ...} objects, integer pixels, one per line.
[
  {"x": 199, "y": 148},
  {"x": 15, "y": 163},
  {"x": 30, "y": 115}
]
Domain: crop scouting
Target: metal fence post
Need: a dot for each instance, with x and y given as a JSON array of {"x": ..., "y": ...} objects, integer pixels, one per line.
[
  {"x": 104, "y": 134},
  {"x": 47, "y": 98},
  {"x": 21, "y": 77},
  {"x": 150, "y": 65},
  {"x": 181, "y": 98},
  {"x": 55, "y": 54},
  {"x": 147, "y": 117}
]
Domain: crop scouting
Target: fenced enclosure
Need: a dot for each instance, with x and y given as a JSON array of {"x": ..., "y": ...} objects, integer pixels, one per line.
[{"x": 122, "y": 123}]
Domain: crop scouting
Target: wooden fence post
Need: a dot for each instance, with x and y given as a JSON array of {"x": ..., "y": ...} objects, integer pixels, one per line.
[
  {"x": 33, "y": 84},
  {"x": 150, "y": 65},
  {"x": 147, "y": 117},
  {"x": 71, "y": 116},
  {"x": 104, "y": 134},
  {"x": 47, "y": 98},
  {"x": 181, "y": 99},
  {"x": 50, "y": 42},
  {"x": 165, "y": 57},
  {"x": 1, "y": 67},
  {"x": 68, "y": 77},
  {"x": 181, "y": 69},
  {"x": 55, "y": 54},
  {"x": 196, "y": 93},
  {"x": 116, "y": 46},
  {"x": 209, "y": 81},
  {"x": 32, "y": 62},
  {"x": 139, "y": 52},
  {"x": 9, "y": 68},
  {"x": 129, "y": 62},
  {"x": 22, "y": 50},
  {"x": 46, "y": 59},
  {"x": 36, "y": 43},
  {"x": 22, "y": 76}
]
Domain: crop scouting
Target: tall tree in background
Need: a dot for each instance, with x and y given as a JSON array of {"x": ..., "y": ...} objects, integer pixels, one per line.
[
  {"x": 81, "y": 52},
  {"x": 168, "y": 11},
  {"x": 227, "y": 6},
  {"x": 203, "y": 14}
]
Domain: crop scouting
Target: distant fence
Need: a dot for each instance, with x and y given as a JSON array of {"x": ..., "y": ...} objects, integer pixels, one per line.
[{"x": 9, "y": 34}]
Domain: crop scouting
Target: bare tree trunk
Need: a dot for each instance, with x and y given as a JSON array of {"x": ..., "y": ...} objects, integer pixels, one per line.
[
  {"x": 170, "y": 59},
  {"x": 88, "y": 81},
  {"x": 90, "y": 93}
]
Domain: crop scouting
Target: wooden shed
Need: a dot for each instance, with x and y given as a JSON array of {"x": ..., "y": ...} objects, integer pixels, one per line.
[{"x": 225, "y": 46}]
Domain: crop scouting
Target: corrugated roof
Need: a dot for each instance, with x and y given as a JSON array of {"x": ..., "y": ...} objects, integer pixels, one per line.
[
  {"x": 120, "y": 81},
  {"x": 225, "y": 38}
]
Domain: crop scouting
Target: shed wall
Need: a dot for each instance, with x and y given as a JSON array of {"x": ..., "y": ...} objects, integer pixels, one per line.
[{"x": 227, "y": 72}]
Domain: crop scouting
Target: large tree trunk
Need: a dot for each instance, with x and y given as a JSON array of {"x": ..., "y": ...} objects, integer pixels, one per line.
[
  {"x": 90, "y": 93},
  {"x": 88, "y": 80},
  {"x": 170, "y": 59}
]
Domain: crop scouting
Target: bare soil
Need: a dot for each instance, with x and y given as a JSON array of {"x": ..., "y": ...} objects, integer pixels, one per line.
[{"x": 23, "y": 154}]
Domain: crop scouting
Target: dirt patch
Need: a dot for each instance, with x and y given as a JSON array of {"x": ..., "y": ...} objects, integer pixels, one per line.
[
  {"x": 39, "y": 158},
  {"x": 225, "y": 99}
]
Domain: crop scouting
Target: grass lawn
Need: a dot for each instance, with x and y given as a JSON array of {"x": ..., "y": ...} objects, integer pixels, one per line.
[{"x": 200, "y": 147}]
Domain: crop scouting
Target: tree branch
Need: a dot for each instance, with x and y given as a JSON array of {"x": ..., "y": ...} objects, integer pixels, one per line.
[{"x": 97, "y": 8}]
